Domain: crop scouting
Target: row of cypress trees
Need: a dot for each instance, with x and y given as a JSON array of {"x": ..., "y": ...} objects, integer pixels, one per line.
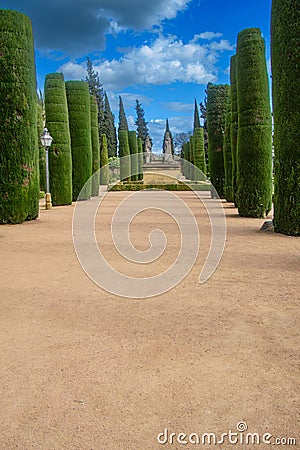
[
  {"x": 247, "y": 142},
  {"x": 240, "y": 130},
  {"x": 131, "y": 144},
  {"x": 72, "y": 119}
]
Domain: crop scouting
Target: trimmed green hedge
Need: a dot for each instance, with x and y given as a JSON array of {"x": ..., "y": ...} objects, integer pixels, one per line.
[
  {"x": 234, "y": 125},
  {"x": 19, "y": 153},
  {"x": 285, "y": 32},
  {"x": 95, "y": 146},
  {"x": 104, "y": 173},
  {"x": 164, "y": 187},
  {"x": 124, "y": 154},
  {"x": 78, "y": 99},
  {"x": 254, "y": 148},
  {"x": 217, "y": 97},
  {"x": 228, "y": 155},
  {"x": 57, "y": 122}
]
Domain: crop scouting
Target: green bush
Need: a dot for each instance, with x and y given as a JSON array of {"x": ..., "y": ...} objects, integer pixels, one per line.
[
  {"x": 95, "y": 146},
  {"x": 19, "y": 153},
  {"x": 104, "y": 173},
  {"x": 285, "y": 32},
  {"x": 254, "y": 148},
  {"x": 57, "y": 122},
  {"x": 217, "y": 97},
  {"x": 78, "y": 98}
]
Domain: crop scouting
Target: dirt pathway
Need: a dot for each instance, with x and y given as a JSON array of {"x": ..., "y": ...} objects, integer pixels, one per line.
[{"x": 84, "y": 369}]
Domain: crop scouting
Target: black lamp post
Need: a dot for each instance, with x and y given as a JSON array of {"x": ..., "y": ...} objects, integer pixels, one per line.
[{"x": 46, "y": 140}]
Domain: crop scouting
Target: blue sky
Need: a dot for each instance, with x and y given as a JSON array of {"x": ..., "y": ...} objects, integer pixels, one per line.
[{"x": 162, "y": 52}]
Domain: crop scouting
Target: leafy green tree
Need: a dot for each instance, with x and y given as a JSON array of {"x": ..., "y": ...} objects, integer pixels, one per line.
[
  {"x": 104, "y": 173},
  {"x": 95, "y": 146},
  {"x": 57, "y": 122},
  {"x": 254, "y": 142},
  {"x": 142, "y": 129},
  {"x": 78, "y": 99},
  {"x": 123, "y": 125},
  {"x": 285, "y": 50},
  {"x": 217, "y": 97},
  {"x": 179, "y": 139},
  {"x": 19, "y": 153},
  {"x": 110, "y": 129}
]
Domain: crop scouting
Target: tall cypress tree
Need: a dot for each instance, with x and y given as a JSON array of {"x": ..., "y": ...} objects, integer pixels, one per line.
[
  {"x": 142, "y": 129},
  {"x": 123, "y": 125},
  {"x": 196, "y": 116},
  {"x": 234, "y": 125},
  {"x": 217, "y": 97},
  {"x": 133, "y": 147},
  {"x": 57, "y": 122},
  {"x": 95, "y": 146},
  {"x": 203, "y": 106},
  {"x": 19, "y": 153},
  {"x": 110, "y": 129},
  {"x": 140, "y": 158},
  {"x": 285, "y": 32},
  {"x": 104, "y": 173},
  {"x": 186, "y": 163},
  {"x": 78, "y": 99},
  {"x": 228, "y": 155},
  {"x": 254, "y": 143},
  {"x": 124, "y": 154},
  {"x": 199, "y": 154},
  {"x": 96, "y": 89}
]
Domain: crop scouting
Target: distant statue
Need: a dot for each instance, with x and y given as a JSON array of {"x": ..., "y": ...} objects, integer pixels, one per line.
[
  {"x": 148, "y": 149},
  {"x": 168, "y": 157}
]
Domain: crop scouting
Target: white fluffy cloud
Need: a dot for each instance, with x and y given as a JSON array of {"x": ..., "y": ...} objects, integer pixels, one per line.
[{"x": 166, "y": 60}]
